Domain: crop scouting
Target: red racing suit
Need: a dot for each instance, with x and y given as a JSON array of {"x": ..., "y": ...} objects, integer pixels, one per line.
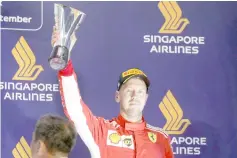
[{"x": 115, "y": 138}]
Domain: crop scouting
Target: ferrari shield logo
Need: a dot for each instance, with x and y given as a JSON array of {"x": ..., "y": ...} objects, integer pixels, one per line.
[{"x": 152, "y": 137}]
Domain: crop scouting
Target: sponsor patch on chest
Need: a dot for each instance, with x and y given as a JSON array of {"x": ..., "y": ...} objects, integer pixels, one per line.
[
  {"x": 123, "y": 141},
  {"x": 152, "y": 137}
]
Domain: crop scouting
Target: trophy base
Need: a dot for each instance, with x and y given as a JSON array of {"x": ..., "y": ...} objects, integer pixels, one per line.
[{"x": 59, "y": 58}]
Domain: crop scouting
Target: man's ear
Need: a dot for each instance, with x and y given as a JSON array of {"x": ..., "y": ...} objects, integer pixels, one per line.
[
  {"x": 117, "y": 98},
  {"x": 40, "y": 146},
  {"x": 36, "y": 147}
]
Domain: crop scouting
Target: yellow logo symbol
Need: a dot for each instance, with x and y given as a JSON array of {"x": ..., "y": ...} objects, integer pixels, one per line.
[
  {"x": 152, "y": 137},
  {"x": 174, "y": 23},
  {"x": 22, "y": 149},
  {"x": 26, "y": 61},
  {"x": 115, "y": 138},
  {"x": 174, "y": 115}
]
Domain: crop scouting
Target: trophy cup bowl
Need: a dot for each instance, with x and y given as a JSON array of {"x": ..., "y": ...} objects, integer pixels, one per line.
[{"x": 67, "y": 22}]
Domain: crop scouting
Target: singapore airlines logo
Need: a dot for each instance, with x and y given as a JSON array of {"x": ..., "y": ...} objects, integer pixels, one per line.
[
  {"x": 22, "y": 149},
  {"x": 174, "y": 23},
  {"x": 175, "y": 124},
  {"x": 26, "y": 61}
]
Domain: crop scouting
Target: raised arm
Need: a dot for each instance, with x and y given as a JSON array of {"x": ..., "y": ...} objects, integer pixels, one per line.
[{"x": 87, "y": 125}]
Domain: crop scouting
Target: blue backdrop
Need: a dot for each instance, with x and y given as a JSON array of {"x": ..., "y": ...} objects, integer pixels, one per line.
[{"x": 187, "y": 49}]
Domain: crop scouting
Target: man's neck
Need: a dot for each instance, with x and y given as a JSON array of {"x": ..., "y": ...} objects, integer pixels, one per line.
[
  {"x": 59, "y": 155},
  {"x": 133, "y": 119}
]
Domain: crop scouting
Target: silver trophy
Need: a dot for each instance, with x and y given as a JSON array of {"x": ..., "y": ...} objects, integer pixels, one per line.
[{"x": 67, "y": 21}]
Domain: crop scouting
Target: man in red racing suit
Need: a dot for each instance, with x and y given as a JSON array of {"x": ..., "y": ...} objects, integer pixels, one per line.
[{"x": 126, "y": 136}]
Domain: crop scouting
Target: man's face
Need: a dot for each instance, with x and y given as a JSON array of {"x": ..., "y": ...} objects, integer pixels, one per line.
[{"x": 132, "y": 96}]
